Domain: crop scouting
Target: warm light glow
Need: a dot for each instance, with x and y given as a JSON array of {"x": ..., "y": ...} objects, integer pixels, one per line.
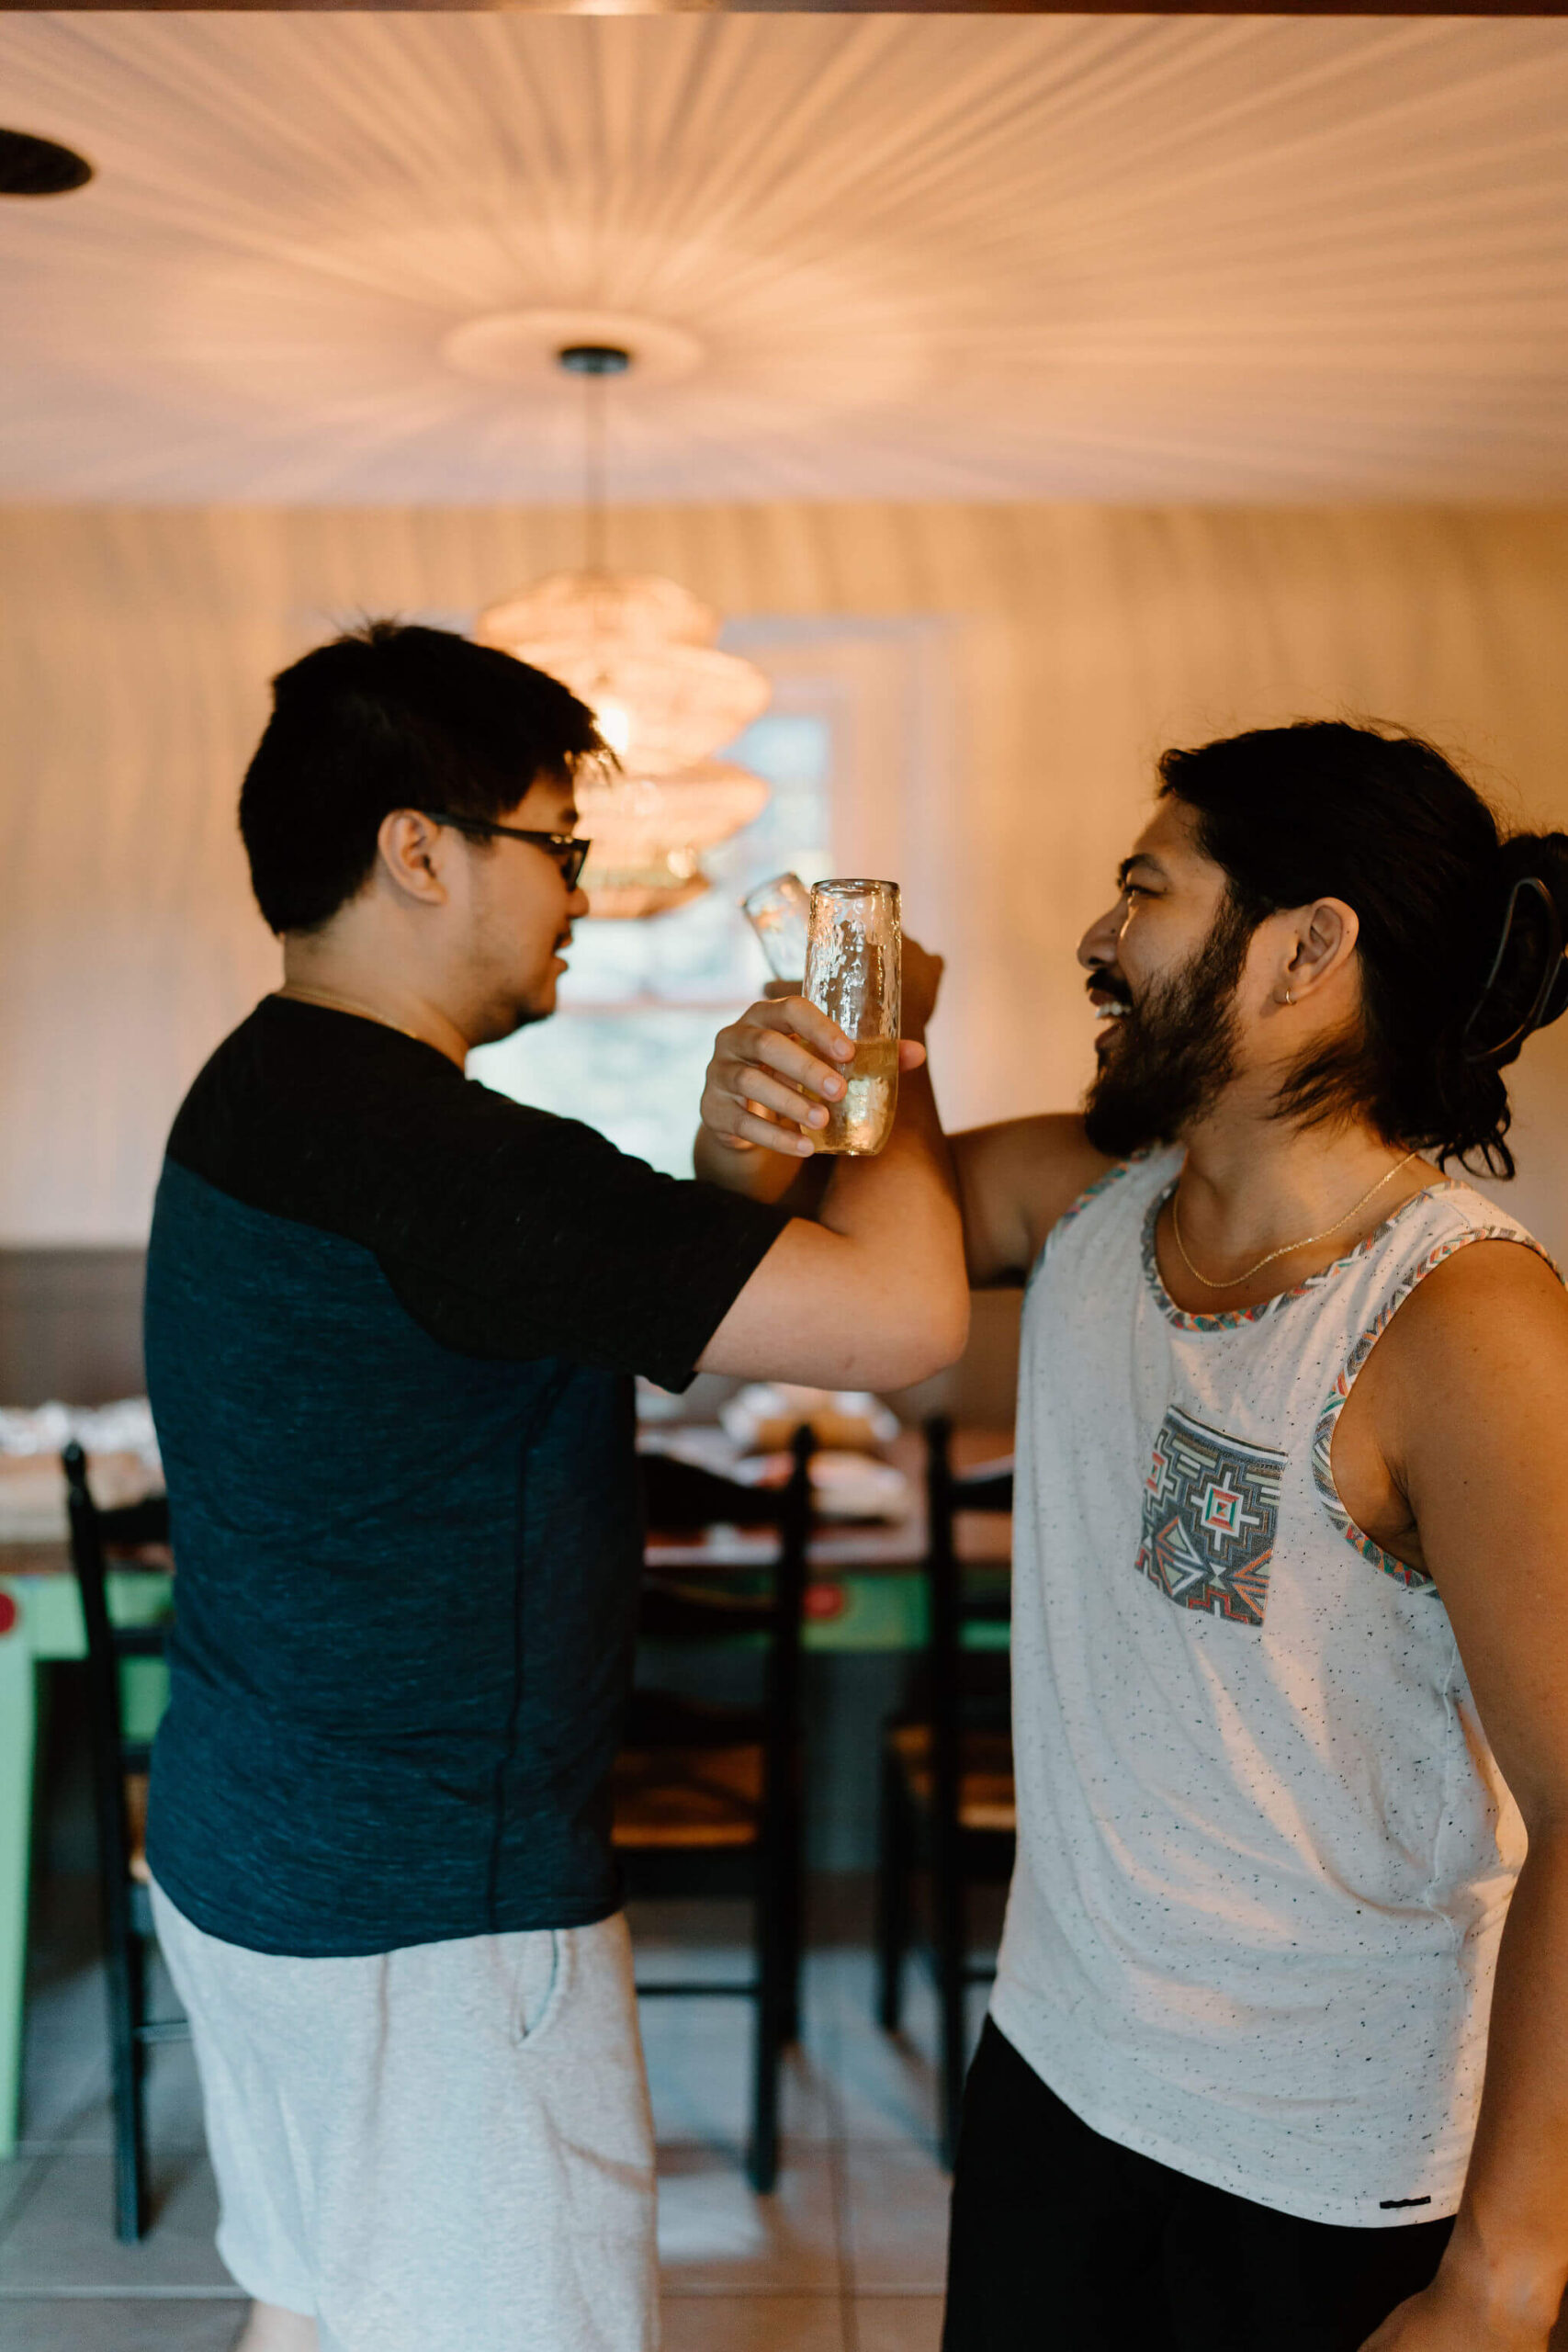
[
  {"x": 638, "y": 645},
  {"x": 614, "y": 721},
  {"x": 649, "y": 832}
]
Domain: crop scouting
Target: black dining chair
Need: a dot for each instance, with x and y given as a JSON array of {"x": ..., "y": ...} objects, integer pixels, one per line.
[
  {"x": 707, "y": 1793},
  {"x": 947, "y": 1802},
  {"x": 119, "y": 1793}
]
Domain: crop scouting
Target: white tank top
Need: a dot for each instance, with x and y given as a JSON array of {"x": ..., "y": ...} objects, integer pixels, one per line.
[{"x": 1264, "y": 1851}]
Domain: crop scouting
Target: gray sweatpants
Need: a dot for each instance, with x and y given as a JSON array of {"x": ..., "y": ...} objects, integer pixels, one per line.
[{"x": 445, "y": 2148}]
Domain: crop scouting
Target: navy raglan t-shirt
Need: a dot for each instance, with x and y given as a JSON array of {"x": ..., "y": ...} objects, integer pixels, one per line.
[{"x": 392, "y": 1320}]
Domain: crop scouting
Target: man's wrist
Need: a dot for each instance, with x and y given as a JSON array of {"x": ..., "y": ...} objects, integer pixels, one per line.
[
  {"x": 759, "y": 1174},
  {"x": 718, "y": 1163}
]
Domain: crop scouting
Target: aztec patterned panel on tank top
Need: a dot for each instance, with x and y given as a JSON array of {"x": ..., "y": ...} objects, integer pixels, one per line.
[{"x": 1210, "y": 1506}]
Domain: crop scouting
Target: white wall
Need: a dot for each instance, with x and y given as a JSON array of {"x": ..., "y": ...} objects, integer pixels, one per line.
[{"x": 136, "y": 646}]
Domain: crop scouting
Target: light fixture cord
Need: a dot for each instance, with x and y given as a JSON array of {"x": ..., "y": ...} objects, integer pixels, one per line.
[{"x": 596, "y": 431}]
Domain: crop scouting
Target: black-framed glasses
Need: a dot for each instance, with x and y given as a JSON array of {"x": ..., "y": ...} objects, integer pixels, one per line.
[{"x": 568, "y": 849}]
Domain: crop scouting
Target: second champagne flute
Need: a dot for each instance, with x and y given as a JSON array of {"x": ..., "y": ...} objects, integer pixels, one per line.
[{"x": 780, "y": 913}]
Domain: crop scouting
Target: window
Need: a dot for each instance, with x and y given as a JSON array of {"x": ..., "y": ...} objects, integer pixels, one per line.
[{"x": 641, "y": 1003}]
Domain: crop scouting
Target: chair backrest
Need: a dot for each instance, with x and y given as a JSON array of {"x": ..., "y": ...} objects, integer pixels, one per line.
[
  {"x": 956, "y": 1600},
  {"x": 784, "y": 1656},
  {"x": 681, "y": 1495},
  {"x": 94, "y": 1533}
]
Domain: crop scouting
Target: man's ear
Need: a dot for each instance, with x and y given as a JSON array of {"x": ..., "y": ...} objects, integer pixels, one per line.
[
  {"x": 1323, "y": 941},
  {"x": 410, "y": 852}
]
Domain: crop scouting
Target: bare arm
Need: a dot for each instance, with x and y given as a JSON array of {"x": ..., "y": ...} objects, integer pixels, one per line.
[
  {"x": 1015, "y": 1180},
  {"x": 1472, "y": 1404},
  {"x": 872, "y": 1294}
]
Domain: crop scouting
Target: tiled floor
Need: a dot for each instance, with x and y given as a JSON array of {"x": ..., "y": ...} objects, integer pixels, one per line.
[{"x": 846, "y": 2256}]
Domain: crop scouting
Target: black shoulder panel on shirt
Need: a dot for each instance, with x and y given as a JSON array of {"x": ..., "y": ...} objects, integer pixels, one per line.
[{"x": 503, "y": 1230}]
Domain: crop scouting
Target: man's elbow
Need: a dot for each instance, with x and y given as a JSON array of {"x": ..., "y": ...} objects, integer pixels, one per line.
[{"x": 931, "y": 1340}]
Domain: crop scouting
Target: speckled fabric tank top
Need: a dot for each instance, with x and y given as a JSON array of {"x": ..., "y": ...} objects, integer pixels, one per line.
[{"x": 1264, "y": 1851}]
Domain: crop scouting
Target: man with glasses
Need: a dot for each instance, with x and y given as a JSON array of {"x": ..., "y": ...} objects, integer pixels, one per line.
[{"x": 392, "y": 1324}]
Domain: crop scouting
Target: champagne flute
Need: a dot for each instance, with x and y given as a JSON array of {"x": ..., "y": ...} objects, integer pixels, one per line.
[{"x": 853, "y": 974}]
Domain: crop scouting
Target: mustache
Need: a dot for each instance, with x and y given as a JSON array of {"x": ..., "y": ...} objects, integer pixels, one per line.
[{"x": 1110, "y": 984}]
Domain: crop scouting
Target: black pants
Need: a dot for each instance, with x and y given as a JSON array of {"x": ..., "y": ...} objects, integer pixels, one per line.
[{"x": 1065, "y": 2242}]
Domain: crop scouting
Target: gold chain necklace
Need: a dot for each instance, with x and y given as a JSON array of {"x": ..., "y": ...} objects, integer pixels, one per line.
[
  {"x": 1233, "y": 1282},
  {"x": 351, "y": 1004}
]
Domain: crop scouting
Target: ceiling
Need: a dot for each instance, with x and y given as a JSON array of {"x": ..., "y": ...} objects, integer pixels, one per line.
[{"x": 1162, "y": 258}]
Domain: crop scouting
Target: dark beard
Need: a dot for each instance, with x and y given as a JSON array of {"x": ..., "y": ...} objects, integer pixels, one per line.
[{"x": 1170, "y": 1057}]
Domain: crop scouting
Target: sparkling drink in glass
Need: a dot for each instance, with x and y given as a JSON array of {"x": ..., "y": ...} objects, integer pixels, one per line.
[
  {"x": 780, "y": 912},
  {"x": 853, "y": 974}
]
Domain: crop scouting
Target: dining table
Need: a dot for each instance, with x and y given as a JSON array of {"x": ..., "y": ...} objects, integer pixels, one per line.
[{"x": 866, "y": 1590}]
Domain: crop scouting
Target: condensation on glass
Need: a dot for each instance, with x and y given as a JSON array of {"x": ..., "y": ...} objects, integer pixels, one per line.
[{"x": 854, "y": 973}]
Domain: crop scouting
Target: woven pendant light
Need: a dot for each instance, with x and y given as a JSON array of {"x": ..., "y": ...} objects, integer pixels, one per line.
[{"x": 640, "y": 650}]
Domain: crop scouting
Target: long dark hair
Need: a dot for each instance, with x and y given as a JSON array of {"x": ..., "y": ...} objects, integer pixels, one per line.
[{"x": 1457, "y": 963}]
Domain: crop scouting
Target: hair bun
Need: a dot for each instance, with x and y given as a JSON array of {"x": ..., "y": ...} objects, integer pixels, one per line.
[
  {"x": 1524, "y": 981},
  {"x": 1543, "y": 857}
]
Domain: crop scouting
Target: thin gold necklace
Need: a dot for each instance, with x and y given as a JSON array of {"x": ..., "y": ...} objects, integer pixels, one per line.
[
  {"x": 1233, "y": 1282},
  {"x": 351, "y": 1004}
]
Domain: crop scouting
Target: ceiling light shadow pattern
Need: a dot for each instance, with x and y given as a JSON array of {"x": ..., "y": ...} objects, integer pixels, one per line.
[{"x": 1147, "y": 258}]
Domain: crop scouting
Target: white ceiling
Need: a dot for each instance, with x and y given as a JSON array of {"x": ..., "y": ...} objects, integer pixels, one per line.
[{"x": 1114, "y": 257}]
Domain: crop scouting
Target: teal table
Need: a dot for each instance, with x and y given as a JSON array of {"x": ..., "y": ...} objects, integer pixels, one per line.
[
  {"x": 866, "y": 1593},
  {"x": 41, "y": 1620}
]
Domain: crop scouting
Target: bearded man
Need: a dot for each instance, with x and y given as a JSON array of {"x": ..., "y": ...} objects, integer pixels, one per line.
[{"x": 1278, "y": 2052}]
